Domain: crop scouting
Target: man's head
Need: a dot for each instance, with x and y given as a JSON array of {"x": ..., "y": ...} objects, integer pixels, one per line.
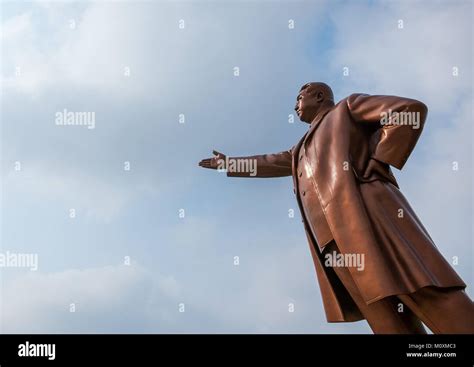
[{"x": 311, "y": 98}]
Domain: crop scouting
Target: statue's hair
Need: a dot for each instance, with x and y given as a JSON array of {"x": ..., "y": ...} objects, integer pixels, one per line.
[{"x": 315, "y": 87}]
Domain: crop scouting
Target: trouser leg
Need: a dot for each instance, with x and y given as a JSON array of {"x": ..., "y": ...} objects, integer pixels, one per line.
[
  {"x": 384, "y": 316},
  {"x": 443, "y": 310}
]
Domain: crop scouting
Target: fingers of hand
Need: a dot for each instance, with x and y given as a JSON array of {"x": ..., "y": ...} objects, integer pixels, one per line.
[{"x": 205, "y": 163}]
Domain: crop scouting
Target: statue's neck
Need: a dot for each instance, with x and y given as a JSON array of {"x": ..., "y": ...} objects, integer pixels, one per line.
[{"x": 322, "y": 111}]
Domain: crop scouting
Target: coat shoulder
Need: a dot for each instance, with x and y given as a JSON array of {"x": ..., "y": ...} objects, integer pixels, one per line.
[{"x": 353, "y": 98}]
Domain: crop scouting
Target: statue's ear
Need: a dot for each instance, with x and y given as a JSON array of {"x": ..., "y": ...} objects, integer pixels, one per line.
[{"x": 319, "y": 96}]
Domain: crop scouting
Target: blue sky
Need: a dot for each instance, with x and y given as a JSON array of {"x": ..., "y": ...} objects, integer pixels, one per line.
[{"x": 189, "y": 71}]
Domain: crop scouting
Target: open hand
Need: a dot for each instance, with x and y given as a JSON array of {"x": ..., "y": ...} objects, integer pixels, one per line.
[{"x": 218, "y": 161}]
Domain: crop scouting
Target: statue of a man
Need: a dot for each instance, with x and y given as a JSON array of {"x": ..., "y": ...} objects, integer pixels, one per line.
[{"x": 374, "y": 259}]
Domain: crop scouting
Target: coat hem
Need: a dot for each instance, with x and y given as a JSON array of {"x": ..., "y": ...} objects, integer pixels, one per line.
[{"x": 378, "y": 298}]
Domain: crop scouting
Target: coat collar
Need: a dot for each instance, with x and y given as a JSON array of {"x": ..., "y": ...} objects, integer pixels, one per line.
[
  {"x": 319, "y": 117},
  {"x": 316, "y": 121}
]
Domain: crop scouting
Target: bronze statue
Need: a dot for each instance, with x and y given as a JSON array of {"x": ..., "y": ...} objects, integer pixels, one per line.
[{"x": 374, "y": 259}]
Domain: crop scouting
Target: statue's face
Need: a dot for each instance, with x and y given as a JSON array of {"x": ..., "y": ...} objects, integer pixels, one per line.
[{"x": 307, "y": 105}]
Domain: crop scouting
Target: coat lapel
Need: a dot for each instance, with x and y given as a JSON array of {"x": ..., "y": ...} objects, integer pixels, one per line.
[
  {"x": 295, "y": 150},
  {"x": 317, "y": 120}
]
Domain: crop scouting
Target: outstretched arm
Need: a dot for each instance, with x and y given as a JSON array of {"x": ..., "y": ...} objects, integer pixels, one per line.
[
  {"x": 395, "y": 141},
  {"x": 261, "y": 166}
]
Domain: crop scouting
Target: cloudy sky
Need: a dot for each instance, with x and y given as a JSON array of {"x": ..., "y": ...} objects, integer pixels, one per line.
[{"x": 140, "y": 66}]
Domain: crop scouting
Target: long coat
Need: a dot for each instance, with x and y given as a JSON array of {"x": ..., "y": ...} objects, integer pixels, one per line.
[{"x": 366, "y": 212}]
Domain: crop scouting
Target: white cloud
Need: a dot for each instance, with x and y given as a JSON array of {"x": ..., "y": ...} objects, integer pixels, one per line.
[
  {"x": 415, "y": 61},
  {"x": 90, "y": 195},
  {"x": 143, "y": 36},
  {"x": 108, "y": 299},
  {"x": 92, "y": 54}
]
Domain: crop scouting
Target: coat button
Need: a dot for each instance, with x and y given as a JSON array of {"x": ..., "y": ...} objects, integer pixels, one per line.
[
  {"x": 294, "y": 191},
  {"x": 301, "y": 174},
  {"x": 304, "y": 193},
  {"x": 301, "y": 157}
]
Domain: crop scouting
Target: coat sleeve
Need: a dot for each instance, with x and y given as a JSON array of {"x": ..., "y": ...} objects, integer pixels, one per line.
[
  {"x": 396, "y": 141},
  {"x": 267, "y": 165}
]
